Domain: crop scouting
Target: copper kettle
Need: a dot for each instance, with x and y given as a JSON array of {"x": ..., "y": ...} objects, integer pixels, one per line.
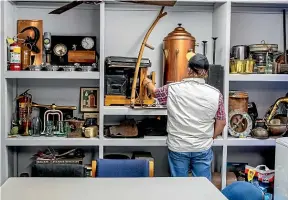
[{"x": 175, "y": 47}]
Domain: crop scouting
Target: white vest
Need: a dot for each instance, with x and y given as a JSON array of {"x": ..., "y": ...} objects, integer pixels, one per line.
[{"x": 191, "y": 109}]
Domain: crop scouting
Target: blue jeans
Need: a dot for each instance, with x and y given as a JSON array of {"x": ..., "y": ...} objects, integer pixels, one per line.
[{"x": 198, "y": 162}]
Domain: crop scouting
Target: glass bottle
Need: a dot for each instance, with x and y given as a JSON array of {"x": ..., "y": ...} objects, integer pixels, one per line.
[
  {"x": 269, "y": 64},
  {"x": 67, "y": 128},
  {"x": 60, "y": 129},
  {"x": 36, "y": 127},
  {"x": 49, "y": 128}
]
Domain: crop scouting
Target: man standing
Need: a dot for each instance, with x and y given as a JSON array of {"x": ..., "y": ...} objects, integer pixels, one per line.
[{"x": 196, "y": 116}]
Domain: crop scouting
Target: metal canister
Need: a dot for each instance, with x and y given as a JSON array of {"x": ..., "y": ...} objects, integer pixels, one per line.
[
  {"x": 237, "y": 66},
  {"x": 250, "y": 63},
  {"x": 263, "y": 47},
  {"x": 91, "y": 131},
  {"x": 238, "y": 101},
  {"x": 240, "y": 52},
  {"x": 175, "y": 47},
  {"x": 25, "y": 57}
]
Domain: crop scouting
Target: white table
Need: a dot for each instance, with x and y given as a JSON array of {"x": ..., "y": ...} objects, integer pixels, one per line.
[{"x": 165, "y": 188}]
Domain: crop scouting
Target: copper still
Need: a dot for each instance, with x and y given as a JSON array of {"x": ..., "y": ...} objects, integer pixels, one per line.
[{"x": 175, "y": 47}]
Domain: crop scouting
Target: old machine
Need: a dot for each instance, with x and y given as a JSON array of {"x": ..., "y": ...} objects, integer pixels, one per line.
[
  {"x": 119, "y": 77},
  {"x": 240, "y": 122}
]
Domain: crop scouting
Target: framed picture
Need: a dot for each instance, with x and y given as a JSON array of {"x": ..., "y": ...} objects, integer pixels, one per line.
[
  {"x": 91, "y": 115},
  {"x": 89, "y": 99}
]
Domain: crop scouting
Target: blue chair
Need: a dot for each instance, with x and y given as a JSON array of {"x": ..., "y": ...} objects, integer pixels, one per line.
[
  {"x": 242, "y": 190},
  {"x": 122, "y": 168}
]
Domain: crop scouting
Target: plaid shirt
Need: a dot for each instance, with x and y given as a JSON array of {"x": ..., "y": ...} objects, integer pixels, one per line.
[{"x": 161, "y": 95}]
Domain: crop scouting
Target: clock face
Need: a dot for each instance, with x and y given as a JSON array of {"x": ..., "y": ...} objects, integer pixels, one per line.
[
  {"x": 60, "y": 50},
  {"x": 87, "y": 43}
]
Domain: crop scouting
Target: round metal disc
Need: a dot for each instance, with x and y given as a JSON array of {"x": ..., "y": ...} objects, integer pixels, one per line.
[{"x": 240, "y": 124}]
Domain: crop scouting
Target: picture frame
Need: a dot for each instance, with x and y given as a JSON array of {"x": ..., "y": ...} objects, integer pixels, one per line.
[
  {"x": 89, "y": 99},
  {"x": 91, "y": 115}
]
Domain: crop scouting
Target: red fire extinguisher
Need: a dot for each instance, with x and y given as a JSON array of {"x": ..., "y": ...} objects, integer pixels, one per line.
[
  {"x": 15, "y": 56},
  {"x": 24, "y": 112}
]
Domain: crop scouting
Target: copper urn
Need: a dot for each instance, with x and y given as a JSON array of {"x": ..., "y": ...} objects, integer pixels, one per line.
[{"x": 175, "y": 47}]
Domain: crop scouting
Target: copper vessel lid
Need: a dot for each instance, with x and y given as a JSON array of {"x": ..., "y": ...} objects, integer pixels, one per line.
[
  {"x": 179, "y": 33},
  {"x": 238, "y": 94}
]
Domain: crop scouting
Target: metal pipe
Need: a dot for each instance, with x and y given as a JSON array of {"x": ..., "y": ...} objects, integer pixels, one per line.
[
  {"x": 214, "y": 48},
  {"x": 284, "y": 35},
  {"x": 204, "y": 47}
]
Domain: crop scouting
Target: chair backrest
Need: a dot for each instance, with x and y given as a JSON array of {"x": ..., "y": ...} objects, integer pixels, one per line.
[
  {"x": 122, "y": 168},
  {"x": 242, "y": 190}
]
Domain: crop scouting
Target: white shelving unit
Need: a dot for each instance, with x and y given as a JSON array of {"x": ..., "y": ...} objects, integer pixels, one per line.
[
  {"x": 51, "y": 75},
  {"x": 51, "y": 141},
  {"x": 119, "y": 28},
  {"x": 125, "y": 110},
  {"x": 258, "y": 77}
]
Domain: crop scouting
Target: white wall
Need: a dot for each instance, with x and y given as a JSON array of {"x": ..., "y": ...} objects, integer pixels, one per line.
[{"x": 251, "y": 28}]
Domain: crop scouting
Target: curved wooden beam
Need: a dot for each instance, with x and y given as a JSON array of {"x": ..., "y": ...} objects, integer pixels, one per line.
[{"x": 144, "y": 43}]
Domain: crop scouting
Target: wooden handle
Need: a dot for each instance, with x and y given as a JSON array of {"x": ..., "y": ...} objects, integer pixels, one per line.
[
  {"x": 160, "y": 15},
  {"x": 94, "y": 166},
  {"x": 149, "y": 46},
  {"x": 151, "y": 168}
]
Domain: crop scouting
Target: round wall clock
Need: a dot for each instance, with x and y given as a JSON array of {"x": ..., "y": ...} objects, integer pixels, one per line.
[{"x": 87, "y": 43}]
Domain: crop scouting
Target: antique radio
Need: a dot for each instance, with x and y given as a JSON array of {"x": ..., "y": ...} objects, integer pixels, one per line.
[
  {"x": 68, "y": 50},
  {"x": 119, "y": 78}
]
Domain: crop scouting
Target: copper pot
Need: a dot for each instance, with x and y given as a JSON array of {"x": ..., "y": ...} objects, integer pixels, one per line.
[
  {"x": 175, "y": 47},
  {"x": 238, "y": 100},
  {"x": 278, "y": 126}
]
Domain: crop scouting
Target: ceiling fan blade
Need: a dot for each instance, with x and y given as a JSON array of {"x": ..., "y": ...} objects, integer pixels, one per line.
[
  {"x": 156, "y": 2},
  {"x": 66, "y": 7}
]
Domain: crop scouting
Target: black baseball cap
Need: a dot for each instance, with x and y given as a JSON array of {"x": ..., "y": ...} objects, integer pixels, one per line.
[{"x": 197, "y": 61}]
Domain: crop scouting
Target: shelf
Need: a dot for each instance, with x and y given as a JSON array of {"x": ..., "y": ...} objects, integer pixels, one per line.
[
  {"x": 50, "y": 75},
  {"x": 251, "y": 141},
  {"x": 261, "y": 2},
  {"x": 50, "y": 141},
  {"x": 259, "y": 77},
  {"x": 125, "y": 110},
  {"x": 146, "y": 141}
]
